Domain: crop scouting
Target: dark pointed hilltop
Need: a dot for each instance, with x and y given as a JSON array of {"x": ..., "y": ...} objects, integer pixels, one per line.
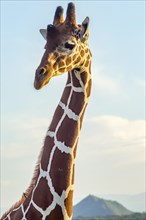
[{"x": 92, "y": 206}]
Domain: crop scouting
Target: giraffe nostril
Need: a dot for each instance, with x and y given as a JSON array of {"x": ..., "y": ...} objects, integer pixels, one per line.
[{"x": 41, "y": 71}]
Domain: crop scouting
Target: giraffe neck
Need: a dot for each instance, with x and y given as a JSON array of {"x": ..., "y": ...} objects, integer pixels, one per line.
[
  {"x": 58, "y": 158},
  {"x": 52, "y": 192}
]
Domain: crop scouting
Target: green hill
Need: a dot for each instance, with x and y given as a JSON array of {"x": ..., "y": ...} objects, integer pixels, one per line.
[
  {"x": 134, "y": 216},
  {"x": 93, "y": 206}
]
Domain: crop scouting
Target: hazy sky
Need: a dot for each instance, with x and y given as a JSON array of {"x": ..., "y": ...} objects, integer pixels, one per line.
[{"x": 110, "y": 156}]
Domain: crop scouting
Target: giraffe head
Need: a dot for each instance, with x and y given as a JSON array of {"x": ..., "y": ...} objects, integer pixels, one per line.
[{"x": 66, "y": 46}]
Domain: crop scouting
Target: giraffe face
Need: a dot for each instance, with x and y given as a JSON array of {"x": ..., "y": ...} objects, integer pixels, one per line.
[{"x": 66, "y": 47}]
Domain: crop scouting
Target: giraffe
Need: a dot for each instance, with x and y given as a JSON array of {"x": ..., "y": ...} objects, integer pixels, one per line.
[{"x": 50, "y": 194}]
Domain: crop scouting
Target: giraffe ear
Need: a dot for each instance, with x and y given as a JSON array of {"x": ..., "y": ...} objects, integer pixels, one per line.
[
  {"x": 44, "y": 33},
  {"x": 84, "y": 29}
]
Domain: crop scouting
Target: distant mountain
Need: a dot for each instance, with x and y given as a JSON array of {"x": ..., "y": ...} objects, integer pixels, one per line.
[
  {"x": 136, "y": 203},
  {"x": 93, "y": 206},
  {"x": 134, "y": 216}
]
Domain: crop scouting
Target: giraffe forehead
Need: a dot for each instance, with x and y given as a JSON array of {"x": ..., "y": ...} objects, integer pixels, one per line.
[{"x": 62, "y": 33}]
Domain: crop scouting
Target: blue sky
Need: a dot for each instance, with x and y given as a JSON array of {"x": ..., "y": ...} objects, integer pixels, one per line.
[{"x": 110, "y": 156}]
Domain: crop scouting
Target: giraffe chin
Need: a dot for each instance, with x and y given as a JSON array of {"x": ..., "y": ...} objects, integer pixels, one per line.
[{"x": 40, "y": 85}]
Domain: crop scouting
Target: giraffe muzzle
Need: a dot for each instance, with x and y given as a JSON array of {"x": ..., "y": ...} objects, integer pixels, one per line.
[{"x": 42, "y": 77}]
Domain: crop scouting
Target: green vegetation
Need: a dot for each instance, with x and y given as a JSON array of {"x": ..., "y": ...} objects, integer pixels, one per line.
[{"x": 135, "y": 216}]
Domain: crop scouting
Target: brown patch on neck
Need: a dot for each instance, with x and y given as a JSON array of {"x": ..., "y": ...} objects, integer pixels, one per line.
[
  {"x": 77, "y": 102},
  {"x": 42, "y": 195},
  {"x": 17, "y": 214},
  {"x": 84, "y": 77},
  {"x": 56, "y": 118},
  {"x": 88, "y": 89},
  {"x": 48, "y": 145},
  {"x": 81, "y": 119},
  {"x": 76, "y": 82},
  {"x": 60, "y": 171},
  {"x": 56, "y": 214},
  {"x": 73, "y": 174},
  {"x": 68, "y": 203},
  {"x": 33, "y": 214},
  {"x": 68, "y": 131},
  {"x": 65, "y": 95}
]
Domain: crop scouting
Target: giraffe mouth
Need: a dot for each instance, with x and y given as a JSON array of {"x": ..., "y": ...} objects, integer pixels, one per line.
[
  {"x": 41, "y": 83},
  {"x": 41, "y": 79}
]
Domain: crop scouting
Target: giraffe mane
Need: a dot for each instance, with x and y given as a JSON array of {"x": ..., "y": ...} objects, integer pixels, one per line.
[
  {"x": 35, "y": 175},
  {"x": 28, "y": 190}
]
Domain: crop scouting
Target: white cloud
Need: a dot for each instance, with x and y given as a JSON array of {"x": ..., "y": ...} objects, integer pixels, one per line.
[
  {"x": 22, "y": 138},
  {"x": 110, "y": 156},
  {"x": 111, "y": 134}
]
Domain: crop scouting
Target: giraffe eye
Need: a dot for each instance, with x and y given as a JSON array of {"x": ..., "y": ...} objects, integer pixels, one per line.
[{"x": 69, "y": 46}]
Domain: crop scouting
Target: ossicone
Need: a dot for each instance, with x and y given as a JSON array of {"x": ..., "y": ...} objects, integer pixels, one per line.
[
  {"x": 58, "y": 18},
  {"x": 70, "y": 14}
]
